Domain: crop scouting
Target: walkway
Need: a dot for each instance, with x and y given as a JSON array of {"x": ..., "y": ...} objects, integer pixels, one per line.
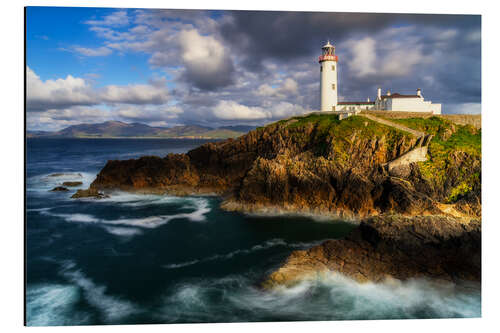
[{"x": 392, "y": 124}]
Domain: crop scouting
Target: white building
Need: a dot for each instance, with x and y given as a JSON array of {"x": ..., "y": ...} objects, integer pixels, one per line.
[
  {"x": 328, "y": 85},
  {"x": 389, "y": 102},
  {"x": 408, "y": 103}
]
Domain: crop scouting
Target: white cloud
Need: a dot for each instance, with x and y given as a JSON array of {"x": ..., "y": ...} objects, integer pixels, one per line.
[
  {"x": 135, "y": 94},
  {"x": 148, "y": 114},
  {"x": 201, "y": 52},
  {"x": 285, "y": 110},
  {"x": 363, "y": 56},
  {"x": 231, "y": 110},
  {"x": 265, "y": 90},
  {"x": 401, "y": 62},
  {"x": 56, "y": 119},
  {"x": 288, "y": 87},
  {"x": 206, "y": 60},
  {"x": 57, "y": 93},
  {"x": 115, "y": 19},
  {"x": 474, "y": 36},
  {"x": 72, "y": 91},
  {"x": 97, "y": 52},
  {"x": 445, "y": 35},
  {"x": 384, "y": 55},
  {"x": 464, "y": 108}
]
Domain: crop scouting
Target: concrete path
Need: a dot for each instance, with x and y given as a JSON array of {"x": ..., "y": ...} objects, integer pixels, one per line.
[
  {"x": 392, "y": 124},
  {"x": 417, "y": 154}
]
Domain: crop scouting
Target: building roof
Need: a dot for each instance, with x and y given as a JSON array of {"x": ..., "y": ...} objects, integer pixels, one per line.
[
  {"x": 396, "y": 95},
  {"x": 356, "y": 103}
]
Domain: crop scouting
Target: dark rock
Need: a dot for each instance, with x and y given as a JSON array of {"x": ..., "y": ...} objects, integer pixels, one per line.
[
  {"x": 62, "y": 174},
  {"x": 59, "y": 189},
  {"x": 90, "y": 193},
  {"x": 301, "y": 169},
  {"x": 396, "y": 247},
  {"x": 72, "y": 184}
]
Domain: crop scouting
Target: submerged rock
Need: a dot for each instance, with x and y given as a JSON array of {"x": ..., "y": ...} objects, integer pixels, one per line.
[
  {"x": 72, "y": 184},
  {"x": 59, "y": 189},
  {"x": 392, "y": 247},
  {"x": 90, "y": 193},
  {"x": 63, "y": 174}
]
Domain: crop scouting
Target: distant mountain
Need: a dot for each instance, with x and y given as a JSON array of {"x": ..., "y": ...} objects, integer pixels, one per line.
[
  {"x": 239, "y": 128},
  {"x": 118, "y": 129}
]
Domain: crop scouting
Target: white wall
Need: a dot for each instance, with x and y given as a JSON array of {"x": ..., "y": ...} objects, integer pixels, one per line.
[
  {"x": 349, "y": 107},
  {"x": 415, "y": 104},
  {"x": 328, "y": 78}
]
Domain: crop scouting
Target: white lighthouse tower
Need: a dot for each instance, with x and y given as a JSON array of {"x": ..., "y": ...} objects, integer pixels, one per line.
[{"x": 329, "y": 86}]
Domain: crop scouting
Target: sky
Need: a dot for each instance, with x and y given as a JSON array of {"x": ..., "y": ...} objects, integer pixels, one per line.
[{"x": 216, "y": 68}]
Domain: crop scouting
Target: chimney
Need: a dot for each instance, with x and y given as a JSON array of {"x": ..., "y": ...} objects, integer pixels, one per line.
[
  {"x": 379, "y": 93},
  {"x": 419, "y": 92},
  {"x": 368, "y": 99}
]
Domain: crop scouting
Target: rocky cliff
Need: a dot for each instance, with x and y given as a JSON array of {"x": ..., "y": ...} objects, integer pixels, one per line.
[
  {"x": 417, "y": 219},
  {"x": 393, "y": 247},
  {"x": 319, "y": 164}
]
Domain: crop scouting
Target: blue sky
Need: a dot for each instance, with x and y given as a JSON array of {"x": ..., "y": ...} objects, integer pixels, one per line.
[
  {"x": 175, "y": 67},
  {"x": 52, "y": 31}
]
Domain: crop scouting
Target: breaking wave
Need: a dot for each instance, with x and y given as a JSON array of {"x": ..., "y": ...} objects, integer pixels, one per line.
[
  {"x": 137, "y": 200},
  {"x": 60, "y": 304},
  {"x": 110, "y": 308},
  {"x": 53, "y": 304},
  {"x": 46, "y": 182},
  {"x": 331, "y": 297}
]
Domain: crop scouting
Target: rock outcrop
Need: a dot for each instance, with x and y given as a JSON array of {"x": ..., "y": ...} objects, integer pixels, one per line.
[
  {"x": 59, "y": 189},
  {"x": 72, "y": 184},
  {"x": 393, "y": 247},
  {"x": 419, "y": 219},
  {"x": 90, "y": 193},
  {"x": 315, "y": 164}
]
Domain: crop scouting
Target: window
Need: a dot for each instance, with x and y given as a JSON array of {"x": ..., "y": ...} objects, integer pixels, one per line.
[
  {"x": 333, "y": 67},
  {"x": 333, "y": 86},
  {"x": 321, "y": 68}
]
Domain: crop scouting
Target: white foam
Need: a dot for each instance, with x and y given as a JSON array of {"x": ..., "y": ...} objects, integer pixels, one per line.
[
  {"x": 46, "y": 182},
  {"x": 329, "y": 297},
  {"x": 182, "y": 264},
  {"x": 137, "y": 200},
  {"x": 53, "y": 304},
  {"x": 200, "y": 206},
  {"x": 121, "y": 231},
  {"x": 112, "y": 308},
  {"x": 259, "y": 247}
]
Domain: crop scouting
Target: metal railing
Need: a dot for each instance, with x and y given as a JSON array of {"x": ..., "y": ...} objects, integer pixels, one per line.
[{"x": 327, "y": 57}]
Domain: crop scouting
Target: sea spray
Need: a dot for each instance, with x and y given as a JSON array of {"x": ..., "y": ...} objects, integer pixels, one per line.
[{"x": 330, "y": 297}]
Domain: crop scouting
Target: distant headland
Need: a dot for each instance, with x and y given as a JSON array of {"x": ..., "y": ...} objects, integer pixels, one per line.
[{"x": 118, "y": 129}]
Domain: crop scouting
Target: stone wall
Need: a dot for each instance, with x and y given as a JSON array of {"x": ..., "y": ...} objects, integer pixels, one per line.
[{"x": 418, "y": 154}]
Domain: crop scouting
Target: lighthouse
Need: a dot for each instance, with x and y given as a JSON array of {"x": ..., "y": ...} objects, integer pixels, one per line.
[{"x": 328, "y": 85}]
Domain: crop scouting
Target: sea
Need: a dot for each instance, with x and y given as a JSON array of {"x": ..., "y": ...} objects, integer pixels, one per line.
[{"x": 157, "y": 259}]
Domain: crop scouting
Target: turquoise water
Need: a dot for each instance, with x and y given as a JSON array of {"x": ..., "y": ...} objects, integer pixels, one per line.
[{"x": 164, "y": 259}]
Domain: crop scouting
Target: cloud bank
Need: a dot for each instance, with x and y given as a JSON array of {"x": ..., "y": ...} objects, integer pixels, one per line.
[{"x": 246, "y": 67}]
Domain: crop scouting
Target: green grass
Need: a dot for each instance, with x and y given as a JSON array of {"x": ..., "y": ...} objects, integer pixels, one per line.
[
  {"x": 448, "y": 139},
  {"x": 329, "y": 133}
]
